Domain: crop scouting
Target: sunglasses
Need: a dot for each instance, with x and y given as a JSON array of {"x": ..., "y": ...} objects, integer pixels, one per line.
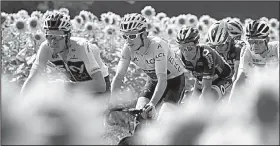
[
  {"x": 55, "y": 37},
  {"x": 256, "y": 41},
  {"x": 131, "y": 36}
]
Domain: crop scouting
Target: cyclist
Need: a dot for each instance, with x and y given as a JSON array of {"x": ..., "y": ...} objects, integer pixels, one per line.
[
  {"x": 79, "y": 60},
  {"x": 259, "y": 54},
  {"x": 235, "y": 29},
  {"x": 220, "y": 37},
  {"x": 207, "y": 66},
  {"x": 165, "y": 82}
]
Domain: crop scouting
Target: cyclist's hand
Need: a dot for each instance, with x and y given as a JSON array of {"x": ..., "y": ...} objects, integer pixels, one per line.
[{"x": 149, "y": 111}]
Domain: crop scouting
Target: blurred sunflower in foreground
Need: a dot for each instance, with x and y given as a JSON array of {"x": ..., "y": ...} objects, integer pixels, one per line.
[
  {"x": 37, "y": 14},
  {"x": 148, "y": 12},
  {"x": 23, "y": 14}
]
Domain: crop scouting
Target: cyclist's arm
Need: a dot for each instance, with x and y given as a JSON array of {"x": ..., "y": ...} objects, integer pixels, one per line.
[
  {"x": 97, "y": 84},
  {"x": 242, "y": 71},
  {"x": 121, "y": 70},
  {"x": 161, "y": 72},
  {"x": 37, "y": 68},
  {"x": 96, "y": 52},
  {"x": 208, "y": 73}
]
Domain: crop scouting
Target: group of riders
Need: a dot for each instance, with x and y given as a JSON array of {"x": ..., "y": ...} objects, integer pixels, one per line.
[{"x": 219, "y": 66}]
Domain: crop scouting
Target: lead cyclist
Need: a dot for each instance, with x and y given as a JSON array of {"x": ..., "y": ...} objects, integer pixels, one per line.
[{"x": 165, "y": 81}]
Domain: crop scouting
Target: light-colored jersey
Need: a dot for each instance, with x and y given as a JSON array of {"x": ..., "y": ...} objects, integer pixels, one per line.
[
  {"x": 82, "y": 61},
  {"x": 158, "y": 58},
  {"x": 249, "y": 59}
]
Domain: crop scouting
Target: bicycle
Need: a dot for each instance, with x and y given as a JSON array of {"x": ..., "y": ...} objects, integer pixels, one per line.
[{"x": 136, "y": 113}]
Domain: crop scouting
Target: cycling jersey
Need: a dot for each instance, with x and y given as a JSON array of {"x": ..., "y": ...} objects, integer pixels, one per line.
[
  {"x": 208, "y": 65},
  {"x": 82, "y": 61},
  {"x": 158, "y": 58},
  {"x": 250, "y": 59}
]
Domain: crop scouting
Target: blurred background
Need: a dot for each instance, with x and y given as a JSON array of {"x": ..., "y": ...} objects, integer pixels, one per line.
[{"x": 215, "y": 9}]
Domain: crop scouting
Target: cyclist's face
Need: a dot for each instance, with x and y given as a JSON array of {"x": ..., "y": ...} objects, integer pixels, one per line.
[
  {"x": 132, "y": 39},
  {"x": 220, "y": 48},
  {"x": 188, "y": 50},
  {"x": 257, "y": 45},
  {"x": 56, "y": 40}
]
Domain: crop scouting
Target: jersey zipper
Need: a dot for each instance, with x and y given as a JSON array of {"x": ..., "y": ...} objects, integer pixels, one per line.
[{"x": 67, "y": 67}]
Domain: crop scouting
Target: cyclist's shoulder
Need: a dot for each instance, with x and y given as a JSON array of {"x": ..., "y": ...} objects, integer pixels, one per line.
[
  {"x": 206, "y": 49},
  {"x": 273, "y": 45},
  {"x": 157, "y": 42}
]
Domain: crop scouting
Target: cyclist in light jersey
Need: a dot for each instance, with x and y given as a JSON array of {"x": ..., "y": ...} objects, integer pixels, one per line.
[
  {"x": 261, "y": 53},
  {"x": 165, "y": 82},
  {"x": 78, "y": 59}
]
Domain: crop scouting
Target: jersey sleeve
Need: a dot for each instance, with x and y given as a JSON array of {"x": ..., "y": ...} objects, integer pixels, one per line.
[
  {"x": 208, "y": 63},
  {"x": 245, "y": 57},
  {"x": 89, "y": 59},
  {"x": 160, "y": 55},
  {"x": 96, "y": 53}
]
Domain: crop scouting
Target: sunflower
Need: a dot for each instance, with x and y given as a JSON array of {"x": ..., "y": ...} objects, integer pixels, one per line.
[
  {"x": 33, "y": 23},
  {"x": 273, "y": 23},
  {"x": 37, "y": 14},
  {"x": 84, "y": 15},
  {"x": 47, "y": 13},
  {"x": 20, "y": 25},
  {"x": 205, "y": 19},
  {"x": 64, "y": 10},
  {"x": 161, "y": 15},
  {"x": 23, "y": 14},
  {"x": 116, "y": 19},
  {"x": 264, "y": 19},
  {"x": 92, "y": 17},
  {"x": 4, "y": 18},
  {"x": 148, "y": 12},
  {"x": 181, "y": 20},
  {"x": 110, "y": 30},
  {"x": 106, "y": 18},
  {"x": 192, "y": 20},
  {"x": 39, "y": 37},
  {"x": 165, "y": 20},
  {"x": 248, "y": 20},
  {"x": 172, "y": 20},
  {"x": 79, "y": 21},
  {"x": 156, "y": 29},
  {"x": 171, "y": 31},
  {"x": 202, "y": 27}
]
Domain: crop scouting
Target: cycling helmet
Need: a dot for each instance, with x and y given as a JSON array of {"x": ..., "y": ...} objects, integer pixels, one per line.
[
  {"x": 188, "y": 34},
  {"x": 57, "y": 21},
  {"x": 133, "y": 22},
  {"x": 218, "y": 33},
  {"x": 257, "y": 28},
  {"x": 235, "y": 28}
]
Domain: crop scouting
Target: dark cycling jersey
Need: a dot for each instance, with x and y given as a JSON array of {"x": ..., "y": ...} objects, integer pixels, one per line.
[{"x": 208, "y": 65}]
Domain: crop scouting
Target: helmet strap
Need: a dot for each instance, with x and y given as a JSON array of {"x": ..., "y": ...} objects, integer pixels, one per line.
[{"x": 142, "y": 42}]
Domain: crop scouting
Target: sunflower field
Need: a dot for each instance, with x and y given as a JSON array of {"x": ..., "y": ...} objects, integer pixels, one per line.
[{"x": 22, "y": 35}]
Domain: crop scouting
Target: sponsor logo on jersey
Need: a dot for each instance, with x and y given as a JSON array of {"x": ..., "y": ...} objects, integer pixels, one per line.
[
  {"x": 74, "y": 57},
  {"x": 174, "y": 63},
  {"x": 94, "y": 69},
  {"x": 151, "y": 61},
  {"x": 159, "y": 46},
  {"x": 160, "y": 55},
  {"x": 135, "y": 59},
  {"x": 210, "y": 61}
]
